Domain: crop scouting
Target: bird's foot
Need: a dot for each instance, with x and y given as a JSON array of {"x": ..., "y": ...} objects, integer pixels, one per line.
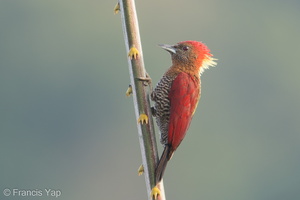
[
  {"x": 155, "y": 192},
  {"x": 117, "y": 8},
  {"x": 143, "y": 119},
  {"x": 133, "y": 53},
  {"x": 129, "y": 91},
  {"x": 153, "y": 111},
  {"x": 141, "y": 170}
]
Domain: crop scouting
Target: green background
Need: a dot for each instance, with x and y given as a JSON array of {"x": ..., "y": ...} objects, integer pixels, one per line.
[{"x": 66, "y": 124}]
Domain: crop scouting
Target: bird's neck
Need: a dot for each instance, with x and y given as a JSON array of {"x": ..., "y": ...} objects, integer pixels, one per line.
[{"x": 189, "y": 69}]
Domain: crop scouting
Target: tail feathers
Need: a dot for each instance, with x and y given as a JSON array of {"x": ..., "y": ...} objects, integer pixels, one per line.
[{"x": 162, "y": 164}]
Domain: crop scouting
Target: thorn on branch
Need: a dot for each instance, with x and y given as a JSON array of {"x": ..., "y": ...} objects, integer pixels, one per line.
[
  {"x": 117, "y": 8},
  {"x": 129, "y": 91},
  {"x": 143, "y": 119},
  {"x": 133, "y": 53}
]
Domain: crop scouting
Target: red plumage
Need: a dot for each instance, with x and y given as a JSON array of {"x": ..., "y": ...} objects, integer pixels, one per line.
[
  {"x": 177, "y": 94},
  {"x": 184, "y": 95}
]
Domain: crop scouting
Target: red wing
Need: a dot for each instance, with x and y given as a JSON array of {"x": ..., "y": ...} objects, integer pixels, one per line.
[{"x": 184, "y": 96}]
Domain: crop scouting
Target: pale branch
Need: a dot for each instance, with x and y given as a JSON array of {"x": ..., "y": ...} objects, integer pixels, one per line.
[{"x": 140, "y": 95}]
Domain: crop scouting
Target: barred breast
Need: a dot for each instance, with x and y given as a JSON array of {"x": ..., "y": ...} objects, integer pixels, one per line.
[{"x": 161, "y": 111}]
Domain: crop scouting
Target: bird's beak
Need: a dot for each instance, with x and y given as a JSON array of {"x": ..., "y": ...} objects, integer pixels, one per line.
[{"x": 168, "y": 48}]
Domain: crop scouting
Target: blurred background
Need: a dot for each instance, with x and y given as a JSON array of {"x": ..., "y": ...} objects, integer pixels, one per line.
[{"x": 66, "y": 124}]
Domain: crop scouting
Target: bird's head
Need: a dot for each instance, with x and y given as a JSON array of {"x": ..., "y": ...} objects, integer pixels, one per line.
[{"x": 190, "y": 55}]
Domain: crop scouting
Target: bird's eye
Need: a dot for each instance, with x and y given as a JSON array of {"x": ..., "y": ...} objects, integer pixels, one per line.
[{"x": 185, "y": 48}]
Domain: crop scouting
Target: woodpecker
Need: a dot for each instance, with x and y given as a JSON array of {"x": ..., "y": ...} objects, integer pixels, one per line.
[{"x": 177, "y": 94}]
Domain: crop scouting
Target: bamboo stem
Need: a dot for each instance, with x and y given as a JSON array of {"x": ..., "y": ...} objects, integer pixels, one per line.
[{"x": 140, "y": 95}]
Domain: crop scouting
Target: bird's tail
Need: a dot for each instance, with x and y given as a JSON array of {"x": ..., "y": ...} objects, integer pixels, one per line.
[{"x": 162, "y": 164}]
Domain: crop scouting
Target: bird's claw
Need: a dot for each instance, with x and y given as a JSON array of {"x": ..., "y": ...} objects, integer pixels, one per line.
[
  {"x": 153, "y": 111},
  {"x": 117, "y": 8},
  {"x": 141, "y": 170},
  {"x": 155, "y": 192},
  {"x": 133, "y": 53},
  {"x": 129, "y": 91},
  {"x": 143, "y": 119}
]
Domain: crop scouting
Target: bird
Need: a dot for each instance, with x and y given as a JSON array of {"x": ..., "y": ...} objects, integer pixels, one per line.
[{"x": 176, "y": 97}]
